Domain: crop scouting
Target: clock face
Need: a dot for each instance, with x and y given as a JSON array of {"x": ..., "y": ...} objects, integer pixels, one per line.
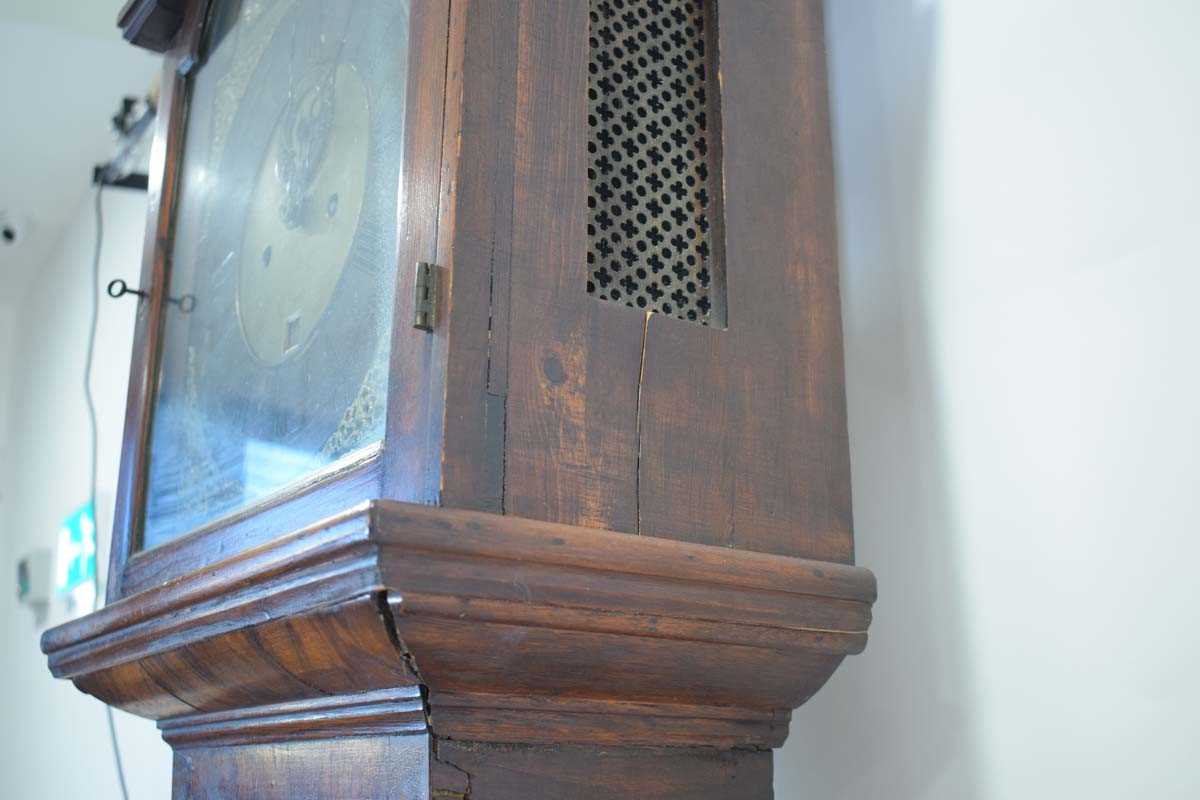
[
  {"x": 284, "y": 246},
  {"x": 304, "y": 212}
]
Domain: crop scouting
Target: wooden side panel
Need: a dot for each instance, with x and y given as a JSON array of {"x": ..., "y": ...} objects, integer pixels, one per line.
[
  {"x": 484, "y": 46},
  {"x": 393, "y": 767},
  {"x": 692, "y": 408},
  {"x": 498, "y": 772},
  {"x": 574, "y": 363},
  {"x": 744, "y": 431},
  {"x": 589, "y": 413},
  {"x": 793, "y": 492}
]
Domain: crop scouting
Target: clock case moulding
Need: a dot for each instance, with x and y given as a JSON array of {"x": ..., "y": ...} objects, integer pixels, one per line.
[{"x": 600, "y": 553}]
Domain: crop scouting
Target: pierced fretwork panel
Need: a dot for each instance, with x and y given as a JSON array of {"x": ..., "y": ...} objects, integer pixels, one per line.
[{"x": 654, "y": 214}]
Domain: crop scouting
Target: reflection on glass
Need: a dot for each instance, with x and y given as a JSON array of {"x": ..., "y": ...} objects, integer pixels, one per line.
[{"x": 285, "y": 236}]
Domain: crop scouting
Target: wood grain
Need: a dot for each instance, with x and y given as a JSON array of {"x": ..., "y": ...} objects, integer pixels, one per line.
[
  {"x": 498, "y": 772},
  {"x": 574, "y": 363},
  {"x": 589, "y": 413},
  {"x": 480, "y": 256},
  {"x": 396, "y": 712},
  {"x": 468, "y": 603},
  {"x": 346, "y": 647},
  {"x": 319, "y": 550},
  {"x": 515, "y": 539},
  {"x": 491, "y": 603},
  {"x": 550, "y": 719},
  {"x": 743, "y": 433},
  {"x": 625, "y": 552},
  {"x": 793, "y": 456},
  {"x": 416, "y": 390},
  {"x": 302, "y": 617},
  {"x": 375, "y": 767}
]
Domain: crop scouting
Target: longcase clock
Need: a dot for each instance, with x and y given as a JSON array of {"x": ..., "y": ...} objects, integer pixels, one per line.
[{"x": 486, "y": 428}]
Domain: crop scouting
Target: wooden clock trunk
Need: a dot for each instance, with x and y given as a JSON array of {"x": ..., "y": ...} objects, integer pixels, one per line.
[{"x": 604, "y": 547}]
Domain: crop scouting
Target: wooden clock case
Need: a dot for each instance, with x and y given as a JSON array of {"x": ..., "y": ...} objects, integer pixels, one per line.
[{"x": 602, "y": 553}]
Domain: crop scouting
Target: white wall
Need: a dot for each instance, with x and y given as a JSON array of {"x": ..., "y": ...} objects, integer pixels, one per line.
[
  {"x": 58, "y": 88},
  {"x": 1019, "y": 184},
  {"x": 53, "y": 739}
]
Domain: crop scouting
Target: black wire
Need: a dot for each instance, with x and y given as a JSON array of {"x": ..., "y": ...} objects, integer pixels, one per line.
[
  {"x": 87, "y": 380},
  {"x": 116, "y": 751},
  {"x": 94, "y": 437}
]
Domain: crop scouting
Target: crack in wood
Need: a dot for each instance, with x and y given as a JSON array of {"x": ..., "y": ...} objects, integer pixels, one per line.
[
  {"x": 449, "y": 781},
  {"x": 637, "y": 472}
]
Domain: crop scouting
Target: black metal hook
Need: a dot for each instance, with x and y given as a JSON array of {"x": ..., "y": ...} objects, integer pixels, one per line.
[{"x": 119, "y": 288}]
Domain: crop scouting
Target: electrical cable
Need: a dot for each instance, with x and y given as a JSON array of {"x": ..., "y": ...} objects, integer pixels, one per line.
[{"x": 94, "y": 439}]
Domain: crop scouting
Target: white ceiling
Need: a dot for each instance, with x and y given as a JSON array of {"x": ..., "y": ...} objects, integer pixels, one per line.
[
  {"x": 63, "y": 70},
  {"x": 92, "y": 17}
]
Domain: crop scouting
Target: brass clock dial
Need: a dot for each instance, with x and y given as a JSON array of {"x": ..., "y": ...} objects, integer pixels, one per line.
[
  {"x": 285, "y": 235},
  {"x": 306, "y": 202}
]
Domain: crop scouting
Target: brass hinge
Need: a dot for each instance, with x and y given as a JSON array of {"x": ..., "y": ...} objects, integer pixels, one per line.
[{"x": 425, "y": 297}]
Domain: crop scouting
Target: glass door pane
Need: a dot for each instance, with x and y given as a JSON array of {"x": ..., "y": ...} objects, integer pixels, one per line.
[{"x": 283, "y": 258}]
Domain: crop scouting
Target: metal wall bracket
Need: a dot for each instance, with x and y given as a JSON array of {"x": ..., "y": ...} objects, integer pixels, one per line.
[
  {"x": 151, "y": 24},
  {"x": 425, "y": 297}
]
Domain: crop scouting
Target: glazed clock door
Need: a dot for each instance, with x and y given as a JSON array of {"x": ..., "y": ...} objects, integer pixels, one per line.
[{"x": 273, "y": 365}]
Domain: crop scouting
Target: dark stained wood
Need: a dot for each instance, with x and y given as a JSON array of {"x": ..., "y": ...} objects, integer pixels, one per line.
[
  {"x": 152, "y": 24},
  {"x": 574, "y": 363},
  {"x": 331, "y": 649},
  {"x": 480, "y": 257},
  {"x": 302, "y": 617},
  {"x": 397, "y": 711},
  {"x": 793, "y": 456},
  {"x": 617, "y": 419},
  {"x": 552, "y": 719},
  {"x": 743, "y": 431},
  {"x": 581, "y": 611},
  {"x": 688, "y": 474},
  {"x": 343, "y": 487},
  {"x": 523, "y": 632},
  {"x": 130, "y": 687},
  {"x": 497, "y": 772},
  {"x": 624, "y": 550},
  {"x": 388, "y": 767},
  {"x": 395, "y": 594},
  {"x": 642, "y": 668},
  {"x": 525, "y": 542},
  {"x": 416, "y": 388},
  {"x": 321, "y": 548}
]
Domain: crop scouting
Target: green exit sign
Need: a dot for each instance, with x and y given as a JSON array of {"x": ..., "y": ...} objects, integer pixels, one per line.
[{"x": 76, "y": 550}]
